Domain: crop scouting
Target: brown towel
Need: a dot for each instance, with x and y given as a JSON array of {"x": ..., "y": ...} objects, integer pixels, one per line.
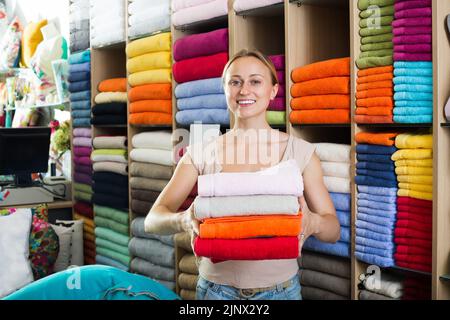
[
  {"x": 150, "y": 170},
  {"x": 187, "y": 281},
  {"x": 141, "y": 207},
  {"x": 188, "y": 264},
  {"x": 144, "y": 195},
  {"x": 187, "y": 294},
  {"x": 148, "y": 184},
  {"x": 183, "y": 240}
]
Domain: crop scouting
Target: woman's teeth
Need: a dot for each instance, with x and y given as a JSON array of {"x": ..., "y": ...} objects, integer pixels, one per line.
[{"x": 246, "y": 102}]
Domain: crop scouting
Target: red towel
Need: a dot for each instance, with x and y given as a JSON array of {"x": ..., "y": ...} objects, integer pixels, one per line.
[
  {"x": 200, "y": 68},
  {"x": 410, "y": 233},
  {"x": 415, "y": 210},
  {"x": 414, "y": 266},
  {"x": 247, "y": 249},
  {"x": 426, "y": 244},
  {"x": 84, "y": 209},
  {"x": 403, "y": 249},
  {"x": 427, "y": 219},
  {"x": 411, "y": 224},
  {"x": 413, "y": 258},
  {"x": 415, "y": 202}
]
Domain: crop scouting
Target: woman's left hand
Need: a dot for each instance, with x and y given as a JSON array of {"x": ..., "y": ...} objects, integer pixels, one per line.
[{"x": 307, "y": 223}]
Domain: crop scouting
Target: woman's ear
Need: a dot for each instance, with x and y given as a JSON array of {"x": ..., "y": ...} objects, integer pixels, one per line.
[{"x": 274, "y": 92}]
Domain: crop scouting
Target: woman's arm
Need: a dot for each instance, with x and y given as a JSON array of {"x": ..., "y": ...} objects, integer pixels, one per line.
[
  {"x": 318, "y": 209},
  {"x": 163, "y": 218}
]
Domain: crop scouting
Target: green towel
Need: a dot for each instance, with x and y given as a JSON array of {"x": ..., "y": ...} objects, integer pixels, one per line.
[
  {"x": 383, "y": 21},
  {"x": 111, "y": 224},
  {"x": 99, "y": 242},
  {"x": 112, "y": 214},
  {"x": 82, "y": 187},
  {"x": 372, "y": 62},
  {"x": 113, "y": 255},
  {"x": 276, "y": 117},
  {"x": 110, "y": 152},
  {"x": 367, "y": 32},
  {"x": 384, "y": 11},
  {"x": 377, "y": 46},
  {"x": 377, "y": 53},
  {"x": 364, "y": 4},
  {"x": 112, "y": 236},
  {"x": 83, "y": 196},
  {"x": 376, "y": 39}
]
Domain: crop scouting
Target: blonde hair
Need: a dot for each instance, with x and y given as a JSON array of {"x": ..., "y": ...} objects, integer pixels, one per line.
[{"x": 256, "y": 54}]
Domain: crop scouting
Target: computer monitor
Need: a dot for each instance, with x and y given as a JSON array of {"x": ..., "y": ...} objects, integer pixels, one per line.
[{"x": 24, "y": 151}]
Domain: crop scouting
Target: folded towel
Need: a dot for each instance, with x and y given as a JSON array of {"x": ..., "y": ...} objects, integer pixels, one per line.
[
  {"x": 377, "y": 205},
  {"x": 156, "y": 43},
  {"x": 369, "y": 234},
  {"x": 413, "y": 141},
  {"x": 112, "y": 236},
  {"x": 377, "y": 174},
  {"x": 386, "y": 102},
  {"x": 151, "y": 106},
  {"x": 113, "y": 108},
  {"x": 386, "y": 159},
  {"x": 210, "y": 101},
  {"x": 375, "y": 259},
  {"x": 156, "y": 156},
  {"x": 340, "y": 249},
  {"x": 415, "y": 202},
  {"x": 152, "y": 270},
  {"x": 322, "y": 263},
  {"x": 376, "y": 47},
  {"x": 320, "y": 116},
  {"x": 200, "y": 12},
  {"x": 320, "y": 70},
  {"x": 375, "y": 149},
  {"x": 144, "y": 195},
  {"x": 110, "y": 142},
  {"x": 388, "y": 286},
  {"x": 188, "y": 264},
  {"x": 382, "y": 221},
  {"x": 333, "y": 152},
  {"x": 99, "y": 242},
  {"x": 375, "y": 182},
  {"x": 160, "y": 254},
  {"x": 336, "y": 169},
  {"x": 335, "y": 284},
  {"x": 412, "y": 22},
  {"x": 148, "y": 184},
  {"x": 104, "y": 188},
  {"x": 403, "y": 31},
  {"x": 375, "y": 61},
  {"x": 109, "y": 97},
  {"x": 425, "y": 244},
  {"x": 410, "y": 233},
  {"x": 412, "y": 154},
  {"x": 80, "y": 76},
  {"x": 205, "y": 116},
  {"x": 372, "y": 11},
  {"x": 375, "y": 244},
  {"x": 109, "y": 166},
  {"x": 374, "y": 111},
  {"x": 410, "y": 250},
  {"x": 81, "y": 105},
  {"x": 150, "y": 118},
  {"x": 112, "y": 215},
  {"x": 150, "y": 77},
  {"x": 140, "y": 207},
  {"x": 137, "y": 230},
  {"x": 375, "y": 166},
  {"x": 344, "y": 218},
  {"x": 413, "y": 13},
  {"x": 370, "y": 250},
  {"x": 341, "y": 201},
  {"x": 276, "y": 117},
  {"x": 80, "y": 57},
  {"x": 80, "y": 86},
  {"x": 405, "y": 56},
  {"x": 407, "y": 111},
  {"x": 414, "y": 48},
  {"x": 111, "y": 178},
  {"x": 374, "y": 85},
  {"x": 377, "y": 39},
  {"x": 407, "y": 170},
  {"x": 373, "y": 119},
  {"x": 415, "y": 194},
  {"x": 365, "y": 4},
  {"x": 331, "y": 85},
  {"x": 149, "y": 61},
  {"x": 112, "y": 201},
  {"x": 81, "y": 114},
  {"x": 83, "y": 169},
  {"x": 379, "y": 21},
  {"x": 199, "y": 88},
  {"x": 202, "y": 44},
  {"x": 328, "y": 101},
  {"x": 377, "y": 198},
  {"x": 103, "y": 260},
  {"x": 200, "y": 67},
  {"x": 410, "y": 224},
  {"x": 402, "y": 5},
  {"x": 383, "y": 53},
  {"x": 377, "y": 213},
  {"x": 82, "y": 132},
  {"x": 421, "y": 217},
  {"x": 150, "y": 170},
  {"x": 340, "y": 185},
  {"x": 383, "y": 231},
  {"x": 113, "y": 85},
  {"x": 154, "y": 91},
  {"x": 153, "y": 140}
]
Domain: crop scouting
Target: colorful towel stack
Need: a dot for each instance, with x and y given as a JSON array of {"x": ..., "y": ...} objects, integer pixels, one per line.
[
  {"x": 335, "y": 161},
  {"x": 150, "y": 75},
  {"x": 187, "y": 267},
  {"x": 377, "y": 198},
  {"x": 200, "y": 59},
  {"x": 147, "y": 17},
  {"x": 413, "y": 66},
  {"x": 386, "y": 287},
  {"x": 321, "y": 92},
  {"x": 242, "y": 5},
  {"x": 153, "y": 255},
  {"x": 414, "y": 227},
  {"x": 80, "y": 88},
  {"x": 186, "y": 12},
  {"x": 151, "y": 169},
  {"x": 324, "y": 277},
  {"x": 107, "y": 26},
  {"x": 258, "y": 220},
  {"x": 276, "y": 112},
  {"x": 110, "y": 104},
  {"x": 79, "y": 25}
]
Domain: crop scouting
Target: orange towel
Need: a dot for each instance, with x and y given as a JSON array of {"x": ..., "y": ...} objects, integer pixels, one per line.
[
  {"x": 384, "y": 139},
  {"x": 251, "y": 227},
  {"x": 373, "y": 119},
  {"x": 336, "y": 85},
  {"x": 374, "y": 85},
  {"x": 113, "y": 85},
  {"x": 374, "y": 93},
  {"x": 323, "y": 69},
  {"x": 377, "y": 70},
  {"x": 88, "y": 236},
  {"x": 375, "y": 78},
  {"x": 375, "y": 111},
  {"x": 155, "y": 91},
  {"x": 320, "y": 116},
  {"x": 375, "y": 102},
  {"x": 164, "y": 106},
  {"x": 151, "y": 118},
  {"x": 328, "y": 101}
]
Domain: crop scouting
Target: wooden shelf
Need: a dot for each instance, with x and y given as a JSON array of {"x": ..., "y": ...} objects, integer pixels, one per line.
[
  {"x": 110, "y": 125},
  {"x": 145, "y": 35},
  {"x": 268, "y": 11},
  {"x": 205, "y": 25},
  {"x": 395, "y": 125},
  {"x": 445, "y": 125},
  {"x": 112, "y": 46},
  {"x": 445, "y": 278},
  {"x": 322, "y": 125},
  {"x": 322, "y": 3}
]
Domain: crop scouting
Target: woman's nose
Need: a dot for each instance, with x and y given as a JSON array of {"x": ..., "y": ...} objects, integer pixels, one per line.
[{"x": 244, "y": 89}]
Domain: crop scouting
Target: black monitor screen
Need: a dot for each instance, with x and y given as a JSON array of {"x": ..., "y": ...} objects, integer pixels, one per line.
[{"x": 24, "y": 150}]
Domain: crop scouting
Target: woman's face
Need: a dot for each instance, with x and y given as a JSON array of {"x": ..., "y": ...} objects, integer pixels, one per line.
[{"x": 248, "y": 87}]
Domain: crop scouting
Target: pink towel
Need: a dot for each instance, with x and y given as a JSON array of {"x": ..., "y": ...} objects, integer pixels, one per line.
[
  {"x": 277, "y": 104},
  {"x": 402, "y": 56},
  {"x": 281, "y": 90},
  {"x": 281, "y": 77},
  {"x": 82, "y": 142},
  {"x": 278, "y": 62},
  {"x": 85, "y": 161},
  {"x": 82, "y": 132},
  {"x": 414, "y": 48},
  {"x": 401, "y": 31},
  {"x": 412, "y": 22},
  {"x": 82, "y": 151},
  {"x": 413, "y": 13},
  {"x": 420, "y": 38},
  {"x": 402, "y": 5},
  {"x": 83, "y": 169}
]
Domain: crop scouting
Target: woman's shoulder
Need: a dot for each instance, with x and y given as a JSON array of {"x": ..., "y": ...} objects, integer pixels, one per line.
[{"x": 300, "y": 150}]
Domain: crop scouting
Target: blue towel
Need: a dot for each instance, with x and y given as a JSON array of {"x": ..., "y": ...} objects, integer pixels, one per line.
[
  {"x": 199, "y": 88},
  {"x": 377, "y": 213},
  {"x": 375, "y": 166},
  {"x": 374, "y": 259},
  {"x": 372, "y": 197},
  {"x": 82, "y": 95},
  {"x": 413, "y": 104},
  {"x": 209, "y": 101},
  {"x": 378, "y": 191},
  {"x": 341, "y": 201},
  {"x": 386, "y": 245},
  {"x": 79, "y": 76},
  {"x": 205, "y": 116},
  {"x": 370, "y": 181},
  {"x": 413, "y": 65},
  {"x": 368, "y": 234},
  {"x": 379, "y": 252},
  {"x": 344, "y": 218},
  {"x": 79, "y": 67},
  {"x": 406, "y": 111},
  {"x": 80, "y": 57},
  {"x": 377, "y": 205},
  {"x": 380, "y": 158},
  {"x": 81, "y": 105},
  {"x": 411, "y": 95},
  {"x": 414, "y": 119},
  {"x": 410, "y": 80},
  {"x": 81, "y": 114},
  {"x": 375, "y": 149},
  {"x": 387, "y": 175},
  {"x": 413, "y": 87},
  {"x": 345, "y": 234},
  {"x": 374, "y": 228},
  {"x": 99, "y": 259},
  {"x": 79, "y": 86},
  {"x": 428, "y": 72},
  {"x": 81, "y": 122},
  {"x": 382, "y": 221},
  {"x": 340, "y": 249}
]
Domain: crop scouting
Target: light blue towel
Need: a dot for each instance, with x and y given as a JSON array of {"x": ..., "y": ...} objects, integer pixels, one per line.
[
  {"x": 205, "y": 116},
  {"x": 377, "y": 213},
  {"x": 78, "y": 86},
  {"x": 387, "y": 253},
  {"x": 409, "y": 80},
  {"x": 413, "y": 65},
  {"x": 370, "y": 181},
  {"x": 403, "y": 72},
  {"x": 375, "y": 166},
  {"x": 81, "y": 105},
  {"x": 375, "y": 149},
  {"x": 81, "y": 122},
  {"x": 414, "y": 119},
  {"x": 377, "y": 205},
  {"x": 410, "y": 95},
  {"x": 99, "y": 259},
  {"x": 81, "y": 114},
  {"x": 374, "y": 243},
  {"x": 340, "y": 249},
  {"x": 374, "y": 158},
  {"x": 387, "y": 175},
  {"x": 368, "y": 234},
  {"x": 413, "y": 88},
  {"x": 372, "y": 197},
  {"x": 374, "y": 259},
  {"x": 79, "y": 67},
  {"x": 80, "y": 57},
  {"x": 345, "y": 234},
  {"x": 209, "y": 101},
  {"x": 80, "y": 96},
  {"x": 413, "y": 104},
  {"x": 382, "y": 221},
  {"x": 374, "y": 228},
  {"x": 406, "y": 111},
  {"x": 378, "y": 191},
  {"x": 79, "y": 76},
  {"x": 341, "y": 201},
  {"x": 199, "y": 88},
  {"x": 344, "y": 218}
]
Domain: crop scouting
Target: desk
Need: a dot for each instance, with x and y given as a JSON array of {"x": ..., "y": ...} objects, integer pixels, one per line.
[{"x": 60, "y": 209}]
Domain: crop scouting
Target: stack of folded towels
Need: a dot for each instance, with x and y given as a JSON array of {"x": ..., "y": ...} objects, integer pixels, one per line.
[
  {"x": 413, "y": 62},
  {"x": 107, "y": 26},
  {"x": 150, "y": 75},
  {"x": 335, "y": 161},
  {"x": 110, "y": 104},
  {"x": 382, "y": 286},
  {"x": 276, "y": 112},
  {"x": 80, "y": 88},
  {"x": 200, "y": 59},
  {"x": 242, "y": 5},
  {"x": 324, "y": 277},
  {"x": 413, "y": 230},
  {"x": 111, "y": 200},
  {"x": 255, "y": 220},
  {"x": 377, "y": 198},
  {"x": 79, "y": 25},
  {"x": 186, "y": 12},
  {"x": 151, "y": 168},
  {"x": 321, "y": 92},
  {"x": 153, "y": 255},
  {"x": 187, "y": 276},
  {"x": 147, "y": 17},
  {"x": 417, "y": 288}
]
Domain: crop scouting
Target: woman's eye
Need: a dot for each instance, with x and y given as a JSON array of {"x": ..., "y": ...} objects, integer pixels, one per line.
[
  {"x": 234, "y": 83},
  {"x": 255, "y": 82}
]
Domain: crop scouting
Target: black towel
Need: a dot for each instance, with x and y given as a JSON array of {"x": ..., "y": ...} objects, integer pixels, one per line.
[
  {"x": 110, "y": 188},
  {"x": 118, "y": 108},
  {"x": 109, "y": 200},
  {"x": 109, "y": 119},
  {"x": 110, "y": 178}
]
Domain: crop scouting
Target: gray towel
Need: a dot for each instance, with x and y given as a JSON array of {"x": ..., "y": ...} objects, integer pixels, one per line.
[
  {"x": 153, "y": 251},
  {"x": 324, "y": 263},
  {"x": 150, "y": 170},
  {"x": 187, "y": 294},
  {"x": 337, "y": 285},
  {"x": 368, "y": 295},
  {"x": 187, "y": 281},
  {"x": 152, "y": 270},
  {"x": 183, "y": 240},
  {"x": 137, "y": 230},
  {"x": 188, "y": 264},
  {"x": 312, "y": 293},
  {"x": 148, "y": 184}
]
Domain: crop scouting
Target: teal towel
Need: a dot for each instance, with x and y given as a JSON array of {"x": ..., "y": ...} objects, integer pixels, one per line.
[
  {"x": 404, "y": 111},
  {"x": 428, "y": 72},
  {"x": 410, "y": 95},
  {"x": 414, "y": 104},
  {"x": 413, "y": 64},
  {"x": 413, "y": 80},
  {"x": 99, "y": 242},
  {"x": 414, "y": 119},
  {"x": 81, "y": 113},
  {"x": 80, "y": 57},
  {"x": 413, "y": 88},
  {"x": 112, "y": 236}
]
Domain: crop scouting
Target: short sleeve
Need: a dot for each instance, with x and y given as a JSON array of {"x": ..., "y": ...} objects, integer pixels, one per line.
[
  {"x": 302, "y": 152},
  {"x": 203, "y": 157}
]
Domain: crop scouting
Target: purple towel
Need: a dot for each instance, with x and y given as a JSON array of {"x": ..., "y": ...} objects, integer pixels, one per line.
[
  {"x": 82, "y": 132},
  {"x": 401, "y": 31},
  {"x": 413, "y": 13},
  {"x": 82, "y": 151},
  {"x": 402, "y": 5},
  {"x": 419, "y": 38},
  {"x": 86, "y": 161},
  {"x": 281, "y": 90},
  {"x": 414, "y": 48},
  {"x": 202, "y": 44},
  {"x": 82, "y": 142},
  {"x": 412, "y": 22},
  {"x": 277, "y": 104},
  {"x": 281, "y": 76},
  {"x": 403, "y": 56},
  {"x": 278, "y": 62},
  {"x": 83, "y": 169},
  {"x": 82, "y": 178}
]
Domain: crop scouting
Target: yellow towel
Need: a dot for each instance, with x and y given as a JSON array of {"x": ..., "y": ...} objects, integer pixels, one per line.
[
  {"x": 86, "y": 221},
  {"x": 414, "y": 141},
  {"x": 151, "y": 76},
  {"x": 416, "y": 187},
  {"x": 150, "y": 61},
  {"x": 426, "y": 163},
  {"x": 428, "y": 180},
  {"x": 420, "y": 171},
  {"x": 108, "y": 97},
  {"x": 159, "y": 42},
  {"x": 412, "y": 154},
  {"x": 415, "y": 194}
]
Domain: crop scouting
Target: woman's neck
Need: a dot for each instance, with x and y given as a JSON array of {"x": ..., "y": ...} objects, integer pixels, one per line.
[{"x": 258, "y": 124}]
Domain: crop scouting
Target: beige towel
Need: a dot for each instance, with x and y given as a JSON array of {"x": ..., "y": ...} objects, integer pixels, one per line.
[
  {"x": 187, "y": 281},
  {"x": 188, "y": 264}
]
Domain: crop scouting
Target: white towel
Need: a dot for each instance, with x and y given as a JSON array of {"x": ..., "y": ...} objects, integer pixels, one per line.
[
  {"x": 108, "y": 97},
  {"x": 339, "y": 185},
  {"x": 336, "y": 169},
  {"x": 157, "y": 156},
  {"x": 112, "y": 158},
  {"x": 214, "y": 9},
  {"x": 112, "y": 142},
  {"x": 141, "y": 5},
  {"x": 149, "y": 14},
  {"x": 149, "y": 26},
  {"x": 183, "y": 4},
  {"x": 153, "y": 140},
  {"x": 98, "y": 21},
  {"x": 113, "y": 36},
  {"x": 386, "y": 286},
  {"x": 241, "y": 5},
  {"x": 333, "y": 152},
  {"x": 108, "y": 166}
]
